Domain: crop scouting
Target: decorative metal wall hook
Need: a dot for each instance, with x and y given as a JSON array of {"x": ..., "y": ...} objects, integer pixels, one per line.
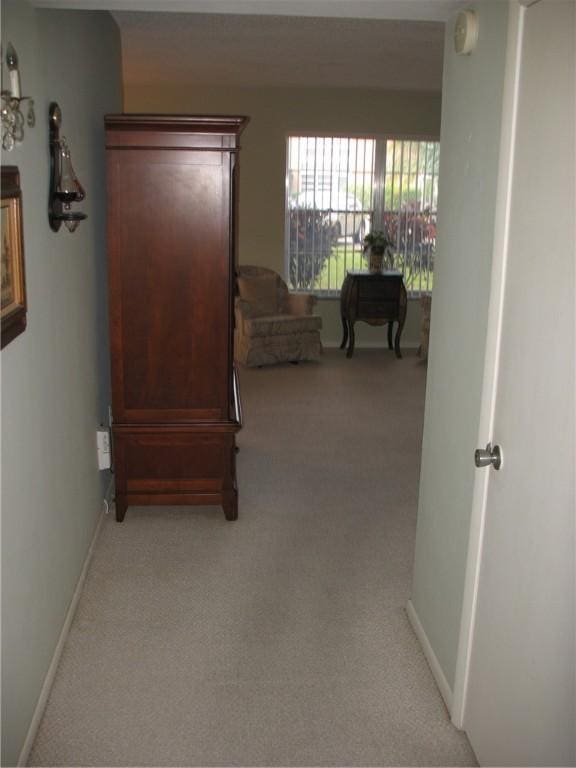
[
  {"x": 65, "y": 188},
  {"x": 12, "y": 117}
]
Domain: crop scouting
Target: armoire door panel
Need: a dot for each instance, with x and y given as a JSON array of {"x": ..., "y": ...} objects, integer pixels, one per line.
[{"x": 172, "y": 285}]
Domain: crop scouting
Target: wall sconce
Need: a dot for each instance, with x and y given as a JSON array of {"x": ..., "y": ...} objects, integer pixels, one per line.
[
  {"x": 65, "y": 188},
  {"x": 12, "y": 117}
]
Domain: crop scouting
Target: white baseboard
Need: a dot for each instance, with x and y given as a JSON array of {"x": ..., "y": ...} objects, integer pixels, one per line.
[
  {"x": 433, "y": 662},
  {"x": 51, "y": 674},
  {"x": 371, "y": 344}
]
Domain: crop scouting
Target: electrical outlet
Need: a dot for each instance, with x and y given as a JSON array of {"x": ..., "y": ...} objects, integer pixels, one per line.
[{"x": 103, "y": 446}]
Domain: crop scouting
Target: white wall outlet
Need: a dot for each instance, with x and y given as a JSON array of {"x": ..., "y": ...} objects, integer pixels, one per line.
[{"x": 103, "y": 446}]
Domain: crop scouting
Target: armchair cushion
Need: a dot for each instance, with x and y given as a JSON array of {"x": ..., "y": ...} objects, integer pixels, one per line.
[
  {"x": 260, "y": 293},
  {"x": 279, "y": 325}
]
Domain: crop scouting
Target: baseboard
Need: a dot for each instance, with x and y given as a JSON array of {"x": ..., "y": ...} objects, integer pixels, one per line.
[
  {"x": 433, "y": 662},
  {"x": 51, "y": 674},
  {"x": 371, "y": 344}
]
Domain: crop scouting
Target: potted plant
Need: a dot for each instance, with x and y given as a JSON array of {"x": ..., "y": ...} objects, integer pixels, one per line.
[{"x": 377, "y": 244}]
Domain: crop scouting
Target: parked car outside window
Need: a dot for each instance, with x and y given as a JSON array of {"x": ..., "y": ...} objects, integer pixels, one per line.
[{"x": 345, "y": 212}]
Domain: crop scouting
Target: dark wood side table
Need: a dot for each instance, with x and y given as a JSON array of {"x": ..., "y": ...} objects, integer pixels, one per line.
[{"x": 376, "y": 299}]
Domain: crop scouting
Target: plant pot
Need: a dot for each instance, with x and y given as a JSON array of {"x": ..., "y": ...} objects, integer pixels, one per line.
[{"x": 375, "y": 261}]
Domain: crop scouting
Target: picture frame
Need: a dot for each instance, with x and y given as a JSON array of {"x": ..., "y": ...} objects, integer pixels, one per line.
[{"x": 13, "y": 284}]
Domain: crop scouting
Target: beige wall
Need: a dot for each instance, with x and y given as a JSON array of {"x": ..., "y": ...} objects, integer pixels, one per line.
[
  {"x": 274, "y": 113},
  {"x": 55, "y": 383}
]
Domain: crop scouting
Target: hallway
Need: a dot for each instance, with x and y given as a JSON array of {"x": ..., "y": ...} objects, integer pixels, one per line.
[{"x": 282, "y": 638}]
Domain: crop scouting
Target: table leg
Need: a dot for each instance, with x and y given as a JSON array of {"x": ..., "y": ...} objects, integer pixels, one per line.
[
  {"x": 390, "y": 327},
  {"x": 352, "y": 340},
  {"x": 344, "y": 332},
  {"x": 397, "y": 339}
]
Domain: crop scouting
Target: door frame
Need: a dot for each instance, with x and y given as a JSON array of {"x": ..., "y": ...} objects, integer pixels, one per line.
[{"x": 512, "y": 74}]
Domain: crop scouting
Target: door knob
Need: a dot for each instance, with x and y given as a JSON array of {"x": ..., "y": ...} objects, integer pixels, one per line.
[{"x": 483, "y": 457}]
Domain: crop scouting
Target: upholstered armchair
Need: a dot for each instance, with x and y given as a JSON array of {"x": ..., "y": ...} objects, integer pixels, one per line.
[{"x": 272, "y": 324}]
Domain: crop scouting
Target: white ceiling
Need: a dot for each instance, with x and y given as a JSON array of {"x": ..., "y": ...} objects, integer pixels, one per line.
[
  {"x": 231, "y": 50},
  {"x": 385, "y": 44},
  {"x": 416, "y": 10}
]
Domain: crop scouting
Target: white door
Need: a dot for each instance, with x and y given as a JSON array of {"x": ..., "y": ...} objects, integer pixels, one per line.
[{"x": 519, "y": 701}]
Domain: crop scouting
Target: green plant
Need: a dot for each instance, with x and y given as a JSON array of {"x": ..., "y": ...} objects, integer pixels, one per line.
[
  {"x": 312, "y": 237},
  {"x": 378, "y": 242}
]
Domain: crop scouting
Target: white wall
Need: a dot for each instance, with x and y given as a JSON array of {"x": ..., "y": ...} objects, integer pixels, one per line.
[
  {"x": 55, "y": 388},
  {"x": 470, "y": 134}
]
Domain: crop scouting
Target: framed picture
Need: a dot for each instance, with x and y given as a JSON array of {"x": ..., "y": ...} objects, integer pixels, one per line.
[{"x": 13, "y": 283}]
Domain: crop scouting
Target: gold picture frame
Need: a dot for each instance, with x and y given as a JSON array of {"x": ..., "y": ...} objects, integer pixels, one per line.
[{"x": 13, "y": 285}]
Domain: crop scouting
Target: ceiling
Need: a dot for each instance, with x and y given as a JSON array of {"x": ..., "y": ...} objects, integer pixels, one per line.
[
  {"x": 384, "y": 44},
  {"x": 242, "y": 50}
]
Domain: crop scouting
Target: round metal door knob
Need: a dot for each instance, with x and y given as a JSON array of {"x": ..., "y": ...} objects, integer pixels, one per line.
[{"x": 484, "y": 457}]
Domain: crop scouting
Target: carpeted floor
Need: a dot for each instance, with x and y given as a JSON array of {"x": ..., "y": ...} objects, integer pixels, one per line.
[{"x": 280, "y": 639}]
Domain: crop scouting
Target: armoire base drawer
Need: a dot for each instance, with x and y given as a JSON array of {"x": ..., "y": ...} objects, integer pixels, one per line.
[{"x": 174, "y": 467}]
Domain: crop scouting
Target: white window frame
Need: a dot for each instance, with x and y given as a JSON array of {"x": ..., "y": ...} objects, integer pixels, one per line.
[{"x": 379, "y": 179}]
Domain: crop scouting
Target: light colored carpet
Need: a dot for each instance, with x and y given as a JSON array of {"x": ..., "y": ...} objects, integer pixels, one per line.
[{"x": 280, "y": 639}]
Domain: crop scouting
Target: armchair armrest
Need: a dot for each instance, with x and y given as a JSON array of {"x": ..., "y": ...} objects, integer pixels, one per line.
[
  {"x": 242, "y": 311},
  {"x": 300, "y": 303},
  {"x": 243, "y": 307}
]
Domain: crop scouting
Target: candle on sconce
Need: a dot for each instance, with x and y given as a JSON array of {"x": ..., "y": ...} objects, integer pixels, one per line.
[{"x": 12, "y": 62}]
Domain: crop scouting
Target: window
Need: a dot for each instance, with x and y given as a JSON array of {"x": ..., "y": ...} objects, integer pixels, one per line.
[{"x": 338, "y": 189}]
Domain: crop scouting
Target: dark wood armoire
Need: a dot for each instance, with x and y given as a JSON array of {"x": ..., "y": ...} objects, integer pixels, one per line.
[{"x": 172, "y": 199}]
